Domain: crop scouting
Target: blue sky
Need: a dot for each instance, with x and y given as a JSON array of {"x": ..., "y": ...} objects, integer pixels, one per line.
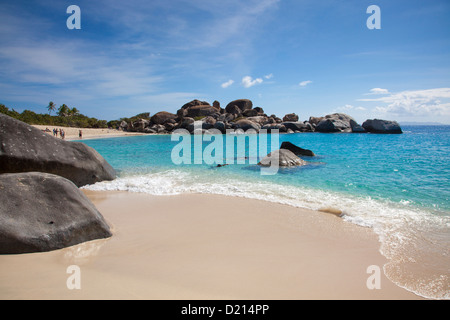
[{"x": 304, "y": 56}]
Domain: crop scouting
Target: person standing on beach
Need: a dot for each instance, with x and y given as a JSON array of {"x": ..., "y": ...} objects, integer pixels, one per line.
[
  {"x": 63, "y": 134},
  {"x": 80, "y": 134}
]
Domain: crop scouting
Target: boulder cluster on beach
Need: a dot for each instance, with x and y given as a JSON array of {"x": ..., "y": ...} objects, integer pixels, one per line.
[
  {"x": 42, "y": 208},
  {"x": 240, "y": 114}
]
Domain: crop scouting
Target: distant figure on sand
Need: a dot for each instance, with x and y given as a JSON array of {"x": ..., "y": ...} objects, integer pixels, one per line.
[
  {"x": 80, "y": 134},
  {"x": 63, "y": 134}
]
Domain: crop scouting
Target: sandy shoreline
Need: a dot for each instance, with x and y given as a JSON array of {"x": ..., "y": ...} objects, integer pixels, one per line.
[
  {"x": 73, "y": 133},
  {"x": 206, "y": 247}
]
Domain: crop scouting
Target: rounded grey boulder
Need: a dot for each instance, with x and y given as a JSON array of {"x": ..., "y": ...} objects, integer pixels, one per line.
[
  {"x": 285, "y": 158},
  {"x": 24, "y": 148},
  {"x": 382, "y": 126},
  {"x": 43, "y": 212}
]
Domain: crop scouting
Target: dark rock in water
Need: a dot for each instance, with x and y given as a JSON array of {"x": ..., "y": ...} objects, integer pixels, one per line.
[
  {"x": 337, "y": 122},
  {"x": 285, "y": 158},
  {"x": 292, "y": 117},
  {"x": 382, "y": 126},
  {"x": 356, "y": 128},
  {"x": 296, "y": 150},
  {"x": 24, "y": 148},
  {"x": 43, "y": 212},
  {"x": 242, "y": 104},
  {"x": 163, "y": 117}
]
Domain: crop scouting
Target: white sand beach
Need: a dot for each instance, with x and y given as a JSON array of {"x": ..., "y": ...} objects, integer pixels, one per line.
[
  {"x": 206, "y": 247},
  {"x": 73, "y": 133}
]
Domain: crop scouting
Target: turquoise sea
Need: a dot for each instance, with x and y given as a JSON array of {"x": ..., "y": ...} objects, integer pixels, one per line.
[{"x": 399, "y": 185}]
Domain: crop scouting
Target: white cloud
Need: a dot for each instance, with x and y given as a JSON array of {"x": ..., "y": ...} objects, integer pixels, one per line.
[
  {"x": 248, "y": 81},
  {"x": 269, "y": 76},
  {"x": 378, "y": 91},
  {"x": 304, "y": 83},
  {"x": 349, "y": 107},
  {"x": 415, "y": 103},
  {"x": 227, "y": 84}
]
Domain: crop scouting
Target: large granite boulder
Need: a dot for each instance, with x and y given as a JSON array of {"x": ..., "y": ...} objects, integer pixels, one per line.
[
  {"x": 24, "y": 148},
  {"x": 43, "y": 212},
  {"x": 356, "y": 128},
  {"x": 291, "y": 117},
  {"x": 194, "y": 103},
  {"x": 315, "y": 120},
  {"x": 382, "y": 126},
  {"x": 163, "y": 117},
  {"x": 261, "y": 120},
  {"x": 285, "y": 158},
  {"x": 250, "y": 113},
  {"x": 273, "y": 127},
  {"x": 337, "y": 122},
  {"x": 247, "y": 124},
  {"x": 298, "y": 126},
  {"x": 242, "y": 104},
  {"x": 296, "y": 150},
  {"x": 140, "y": 125},
  {"x": 234, "y": 109},
  {"x": 201, "y": 111}
]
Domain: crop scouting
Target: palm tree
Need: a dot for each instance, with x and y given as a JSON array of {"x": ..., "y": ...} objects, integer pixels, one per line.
[
  {"x": 63, "y": 111},
  {"x": 75, "y": 111},
  {"x": 51, "y": 107}
]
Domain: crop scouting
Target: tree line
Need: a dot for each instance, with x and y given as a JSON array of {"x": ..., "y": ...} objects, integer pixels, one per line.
[{"x": 65, "y": 117}]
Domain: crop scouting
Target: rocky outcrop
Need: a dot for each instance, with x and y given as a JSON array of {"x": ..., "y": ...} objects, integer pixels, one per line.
[
  {"x": 242, "y": 104},
  {"x": 285, "y": 158},
  {"x": 43, "y": 212},
  {"x": 140, "y": 125},
  {"x": 356, "y": 128},
  {"x": 194, "y": 103},
  {"x": 296, "y": 150},
  {"x": 298, "y": 126},
  {"x": 292, "y": 117},
  {"x": 201, "y": 111},
  {"x": 382, "y": 126},
  {"x": 24, "y": 148},
  {"x": 163, "y": 117},
  {"x": 247, "y": 124},
  {"x": 314, "y": 121},
  {"x": 240, "y": 114},
  {"x": 274, "y": 126},
  {"x": 337, "y": 122}
]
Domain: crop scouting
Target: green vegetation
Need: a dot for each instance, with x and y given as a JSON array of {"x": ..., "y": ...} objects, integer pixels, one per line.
[{"x": 65, "y": 117}]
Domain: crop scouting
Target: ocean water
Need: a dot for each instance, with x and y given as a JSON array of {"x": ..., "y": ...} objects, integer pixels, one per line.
[{"x": 399, "y": 185}]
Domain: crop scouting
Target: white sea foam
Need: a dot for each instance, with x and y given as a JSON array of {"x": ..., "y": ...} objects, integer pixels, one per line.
[{"x": 409, "y": 237}]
